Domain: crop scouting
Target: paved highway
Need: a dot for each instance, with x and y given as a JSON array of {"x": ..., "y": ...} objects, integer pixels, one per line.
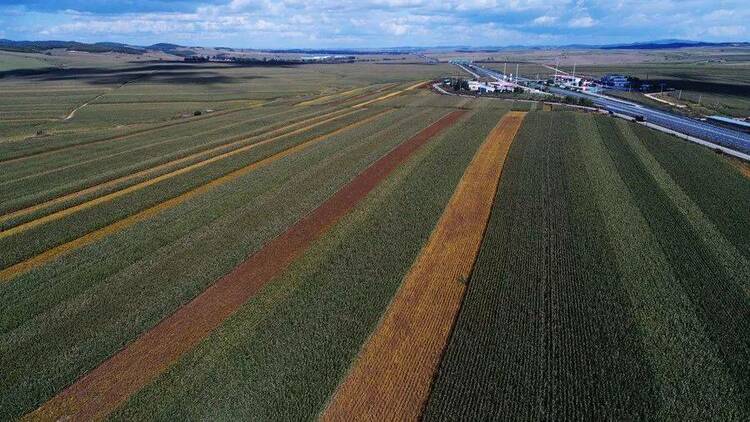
[{"x": 735, "y": 140}]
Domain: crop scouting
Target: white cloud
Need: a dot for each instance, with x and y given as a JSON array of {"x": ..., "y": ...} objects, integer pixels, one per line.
[
  {"x": 728, "y": 31},
  {"x": 360, "y": 23},
  {"x": 582, "y": 22},
  {"x": 545, "y": 20}
]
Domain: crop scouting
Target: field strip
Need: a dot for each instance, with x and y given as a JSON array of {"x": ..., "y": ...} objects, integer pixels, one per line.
[
  {"x": 389, "y": 95},
  {"x": 103, "y": 389},
  {"x": 138, "y": 186},
  {"x": 363, "y": 95},
  {"x": 392, "y": 376},
  {"x": 73, "y": 195},
  {"x": 321, "y": 100},
  {"x": 126, "y": 135},
  {"x": 163, "y": 142},
  {"x": 44, "y": 257}
]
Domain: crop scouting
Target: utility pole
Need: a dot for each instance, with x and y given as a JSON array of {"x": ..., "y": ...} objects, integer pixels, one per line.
[
  {"x": 557, "y": 63},
  {"x": 516, "y": 72},
  {"x": 679, "y": 97},
  {"x": 574, "y": 70},
  {"x": 505, "y": 65}
]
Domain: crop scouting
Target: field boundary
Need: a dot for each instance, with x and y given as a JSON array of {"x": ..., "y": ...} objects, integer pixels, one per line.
[
  {"x": 392, "y": 376},
  {"x": 15, "y": 270},
  {"x": 102, "y": 390}
]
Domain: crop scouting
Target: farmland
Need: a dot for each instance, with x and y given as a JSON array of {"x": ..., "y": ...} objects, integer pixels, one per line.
[
  {"x": 604, "y": 304},
  {"x": 186, "y": 241}
]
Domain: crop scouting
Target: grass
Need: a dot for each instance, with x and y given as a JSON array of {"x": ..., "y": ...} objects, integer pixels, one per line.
[{"x": 13, "y": 61}]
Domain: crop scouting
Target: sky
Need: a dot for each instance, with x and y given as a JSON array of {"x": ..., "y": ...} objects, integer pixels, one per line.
[{"x": 374, "y": 23}]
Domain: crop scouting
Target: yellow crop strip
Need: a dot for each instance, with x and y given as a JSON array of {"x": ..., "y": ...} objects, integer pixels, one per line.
[
  {"x": 386, "y": 96},
  {"x": 323, "y": 99},
  {"x": 87, "y": 239},
  {"x": 106, "y": 198},
  {"x": 392, "y": 376}
]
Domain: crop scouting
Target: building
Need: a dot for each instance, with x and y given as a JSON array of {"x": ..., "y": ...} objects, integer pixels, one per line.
[
  {"x": 502, "y": 86},
  {"x": 480, "y": 87},
  {"x": 616, "y": 81}
]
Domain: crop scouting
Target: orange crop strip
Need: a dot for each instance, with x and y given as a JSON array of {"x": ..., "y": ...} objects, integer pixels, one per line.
[
  {"x": 138, "y": 186},
  {"x": 391, "y": 378},
  {"x": 87, "y": 239},
  {"x": 99, "y": 392}
]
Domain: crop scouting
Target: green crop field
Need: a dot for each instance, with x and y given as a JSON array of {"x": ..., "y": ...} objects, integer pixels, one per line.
[
  {"x": 211, "y": 241},
  {"x": 609, "y": 285}
]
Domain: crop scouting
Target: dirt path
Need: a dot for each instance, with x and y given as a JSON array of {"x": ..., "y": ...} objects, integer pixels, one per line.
[
  {"x": 73, "y": 112},
  {"x": 102, "y": 390},
  {"x": 392, "y": 376}
]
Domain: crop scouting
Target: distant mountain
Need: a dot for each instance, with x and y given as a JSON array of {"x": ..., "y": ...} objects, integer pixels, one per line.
[
  {"x": 41, "y": 46},
  {"x": 183, "y": 51},
  {"x": 671, "y": 44},
  {"x": 174, "y": 49}
]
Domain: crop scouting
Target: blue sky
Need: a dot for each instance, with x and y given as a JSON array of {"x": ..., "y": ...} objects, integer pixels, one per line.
[{"x": 374, "y": 23}]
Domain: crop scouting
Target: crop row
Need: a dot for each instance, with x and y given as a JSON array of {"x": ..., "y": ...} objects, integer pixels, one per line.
[
  {"x": 392, "y": 375},
  {"x": 541, "y": 334},
  {"x": 37, "y": 236},
  {"x": 133, "y": 278},
  {"x": 721, "y": 193},
  {"x": 77, "y": 181},
  {"x": 295, "y": 341},
  {"x": 69, "y": 139},
  {"x": 601, "y": 290},
  {"x": 718, "y": 294}
]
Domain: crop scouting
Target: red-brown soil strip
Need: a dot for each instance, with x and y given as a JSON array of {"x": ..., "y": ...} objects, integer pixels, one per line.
[{"x": 102, "y": 390}]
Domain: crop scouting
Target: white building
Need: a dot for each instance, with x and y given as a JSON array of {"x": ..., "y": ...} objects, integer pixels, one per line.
[
  {"x": 502, "y": 86},
  {"x": 480, "y": 86}
]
